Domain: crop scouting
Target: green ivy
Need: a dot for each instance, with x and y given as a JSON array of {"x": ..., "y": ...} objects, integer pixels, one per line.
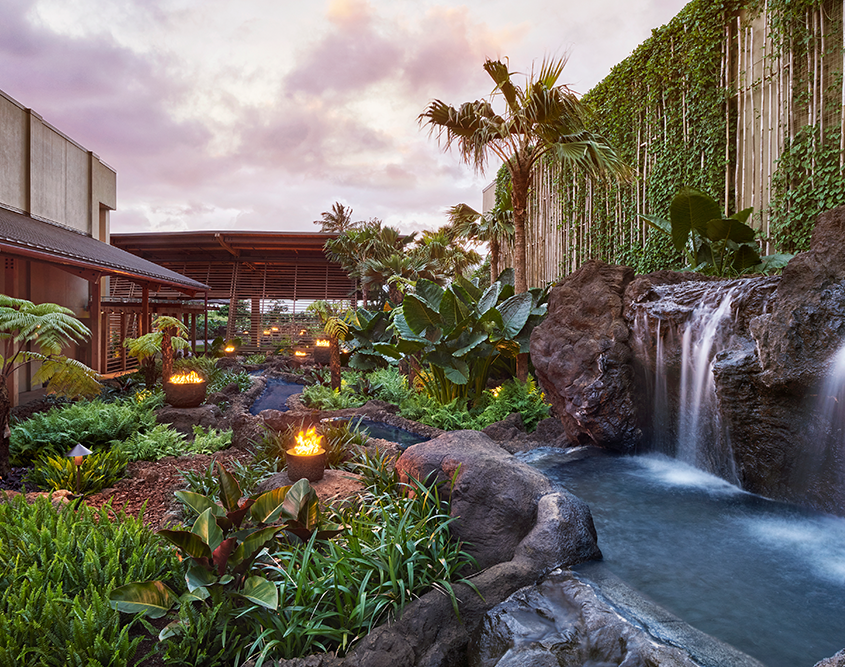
[{"x": 668, "y": 96}]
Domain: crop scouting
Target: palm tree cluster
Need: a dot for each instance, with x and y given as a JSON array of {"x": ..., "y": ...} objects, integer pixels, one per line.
[
  {"x": 388, "y": 262},
  {"x": 541, "y": 118}
]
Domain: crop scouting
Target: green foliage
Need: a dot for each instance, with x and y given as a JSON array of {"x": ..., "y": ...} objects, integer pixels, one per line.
[
  {"x": 513, "y": 396},
  {"x": 98, "y": 471},
  {"x": 258, "y": 358},
  {"x": 326, "y": 398},
  {"x": 459, "y": 332},
  {"x": 366, "y": 330},
  {"x": 248, "y": 476},
  {"x": 807, "y": 182},
  {"x": 395, "y": 548},
  {"x": 54, "y": 608},
  {"x": 342, "y": 440},
  {"x": 94, "y": 424},
  {"x": 392, "y": 385},
  {"x": 713, "y": 244},
  {"x": 162, "y": 440},
  {"x": 223, "y": 379}
]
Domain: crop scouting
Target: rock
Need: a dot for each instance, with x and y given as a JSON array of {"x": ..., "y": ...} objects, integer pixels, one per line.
[
  {"x": 583, "y": 360},
  {"x": 336, "y": 484},
  {"x": 837, "y": 660},
  {"x": 796, "y": 339},
  {"x": 247, "y": 429},
  {"x": 495, "y": 497},
  {"x": 280, "y": 421},
  {"x": 184, "y": 419},
  {"x": 562, "y": 621},
  {"x": 507, "y": 429}
]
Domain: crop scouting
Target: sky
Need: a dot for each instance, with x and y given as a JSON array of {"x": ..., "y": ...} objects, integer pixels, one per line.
[{"x": 260, "y": 114}]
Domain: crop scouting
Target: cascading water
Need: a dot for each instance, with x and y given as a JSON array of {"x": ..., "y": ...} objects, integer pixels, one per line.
[{"x": 677, "y": 337}]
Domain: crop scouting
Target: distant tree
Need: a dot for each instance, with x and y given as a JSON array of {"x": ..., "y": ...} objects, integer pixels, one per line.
[
  {"x": 336, "y": 326},
  {"x": 495, "y": 228},
  {"x": 49, "y": 327},
  {"x": 338, "y": 220},
  {"x": 542, "y": 118}
]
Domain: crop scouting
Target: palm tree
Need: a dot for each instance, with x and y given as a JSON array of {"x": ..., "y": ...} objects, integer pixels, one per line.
[
  {"x": 339, "y": 219},
  {"x": 168, "y": 334},
  {"x": 444, "y": 252},
  {"x": 542, "y": 118},
  {"x": 50, "y": 328},
  {"x": 336, "y": 327},
  {"x": 495, "y": 227}
]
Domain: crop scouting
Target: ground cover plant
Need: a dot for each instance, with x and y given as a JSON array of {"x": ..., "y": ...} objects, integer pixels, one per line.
[
  {"x": 54, "y": 607},
  {"x": 292, "y": 582}
]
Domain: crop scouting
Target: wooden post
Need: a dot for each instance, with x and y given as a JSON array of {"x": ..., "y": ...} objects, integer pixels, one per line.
[
  {"x": 122, "y": 338},
  {"x": 144, "y": 324}
]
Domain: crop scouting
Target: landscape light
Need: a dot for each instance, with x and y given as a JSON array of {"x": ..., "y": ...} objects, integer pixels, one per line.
[{"x": 78, "y": 453}]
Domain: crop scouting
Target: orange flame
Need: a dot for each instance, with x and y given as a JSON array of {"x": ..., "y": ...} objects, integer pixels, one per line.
[
  {"x": 322, "y": 343},
  {"x": 186, "y": 378},
  {"x": 300, "y": 353},
  {"x": 307, "y": 443},
  {"x": 229, "y": 348}
]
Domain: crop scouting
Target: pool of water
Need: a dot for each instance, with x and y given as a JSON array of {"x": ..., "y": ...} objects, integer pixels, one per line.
[
  {"x": 763, "y": 576},
  {"x": 395, "y": 434},
  {"x": 274, "y": 396}
]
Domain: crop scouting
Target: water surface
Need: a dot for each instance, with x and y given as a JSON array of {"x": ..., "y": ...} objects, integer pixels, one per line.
[{"x": 765, "y": 577}]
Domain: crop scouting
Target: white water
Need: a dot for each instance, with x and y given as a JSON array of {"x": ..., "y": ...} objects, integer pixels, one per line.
[{"x": 679, "y": 337}]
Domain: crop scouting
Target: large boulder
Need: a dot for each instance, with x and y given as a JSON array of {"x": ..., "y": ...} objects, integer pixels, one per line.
[
  {"x": 583, "y": 359},
  {"x": 494, "y": 496},
  {"x": 184, "y": 419},
  {"x": 795, "y": 341}
]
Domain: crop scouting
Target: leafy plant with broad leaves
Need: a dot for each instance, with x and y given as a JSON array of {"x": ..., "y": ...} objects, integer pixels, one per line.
[
  {"x": 220, "y": 550},
  {"x": 98, "y": 471},
  {"x": 712, "y": 243},
  {"x": 458, "y": 332}
]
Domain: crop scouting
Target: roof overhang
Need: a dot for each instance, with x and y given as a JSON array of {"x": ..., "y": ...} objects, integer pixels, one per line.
[{"x": 30, "y": 238}]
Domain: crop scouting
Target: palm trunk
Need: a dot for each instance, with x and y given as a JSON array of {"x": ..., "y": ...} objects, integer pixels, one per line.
[
  {"x": 166, "y": 354},
  {"x": 334, "y": 361},
  {"x": 494, "y": 259},
  {"x": 5, "y": 412},
  {"x": 520, "y": 180}
]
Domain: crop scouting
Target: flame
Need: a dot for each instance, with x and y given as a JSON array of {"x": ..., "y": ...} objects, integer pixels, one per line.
[
  {"x": 266, "y": 332},
  {"x": 300, "y": 353},
  {"x": 274, "y": 328},
  {"x": 307, "y": 443},
  {"x": 186, "y": 378},
  {"x": 322, "y": 343},
  {"x": 229, "y": 348}
]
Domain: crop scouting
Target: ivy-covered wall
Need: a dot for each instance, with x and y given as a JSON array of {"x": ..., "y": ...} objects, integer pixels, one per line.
[{"x": 740, "y": 98}]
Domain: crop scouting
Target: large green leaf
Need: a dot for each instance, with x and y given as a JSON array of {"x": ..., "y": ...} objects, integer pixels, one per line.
[
  {"x": 515, "y": 312},
  {"x": 732, "y": 230},
  {"x": 744, "y": 214},
  {"x": 302, "y": 504},
  {"x": 489, "y": 298},
  {"x": 199, "y": 577},
  {"x": 658, "y": 223},
  {"x": 473, "y": 341},
  {"x": 745, "y": 257},
  {"x": 261, "y": 592},
  {"x": 419, "y": 314},
  {"x": 191, "y": 543},
  {"x": 252, "y": 544},
  {"x": 268, "y": 506},
  {"x": 449, "y": 315},
  {"x": 471, "y": 289},
  {"x": 152, "y": 598},
  {"x": 207, "y": 529},
  {"x": 230, "y": 490},
  {"x": 403, "y": 330},
  {"x": 429, "y": 292},
  {"x": 507, "y": 277},
  {"x": 690, "y": 209},
  {"x": 199, "y": 503}
]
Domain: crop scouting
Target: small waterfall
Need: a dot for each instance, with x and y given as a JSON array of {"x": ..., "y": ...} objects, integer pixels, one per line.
[{"x": 677, "y": 338}]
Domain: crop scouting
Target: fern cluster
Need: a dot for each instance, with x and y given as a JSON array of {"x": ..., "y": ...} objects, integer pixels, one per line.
[
  {"x": 54, "y": 606},
  {"x": 100, "y": 470},
  {"x": 95, "y": 424},
  {"x": 162, "y": 440}
]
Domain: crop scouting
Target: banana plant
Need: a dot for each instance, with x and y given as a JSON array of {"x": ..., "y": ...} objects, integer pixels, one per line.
[
  {"x": 220, "y": 550},
  {"x": 459, "y": 331},
  {"x": 712, "y": 243}
]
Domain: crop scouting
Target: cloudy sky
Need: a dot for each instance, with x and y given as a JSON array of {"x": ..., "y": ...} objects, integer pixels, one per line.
[{"x": 259, "y": 114}]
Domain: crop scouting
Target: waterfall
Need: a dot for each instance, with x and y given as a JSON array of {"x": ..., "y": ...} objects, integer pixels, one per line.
[{"x": 677, "y": 337}]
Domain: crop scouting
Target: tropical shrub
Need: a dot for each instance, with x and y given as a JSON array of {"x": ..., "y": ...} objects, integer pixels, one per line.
[
  {"x": 54, "y": 607},
  {"x": 326, "y": 398},
  {"x": 392, "y": 385},
  {"x": 98, "y": 471},
  {"x": 95, "y": 424},
  {"x": 242, "y": 378},
  {"x": 342, "y": 440},
  {"x": 248, "y": 476},
  {"x": 458, "y": 332},
  {"x": 712, "y": 243}
]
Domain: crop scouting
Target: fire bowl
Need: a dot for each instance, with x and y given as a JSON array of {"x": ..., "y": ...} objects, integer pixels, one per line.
[
  {"x": 309, "y": 466},
  {"x": 189, "y": 395}
]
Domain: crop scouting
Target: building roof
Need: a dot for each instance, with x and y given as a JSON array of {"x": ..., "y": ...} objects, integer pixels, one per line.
[{"x": 29, "y": 237}]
